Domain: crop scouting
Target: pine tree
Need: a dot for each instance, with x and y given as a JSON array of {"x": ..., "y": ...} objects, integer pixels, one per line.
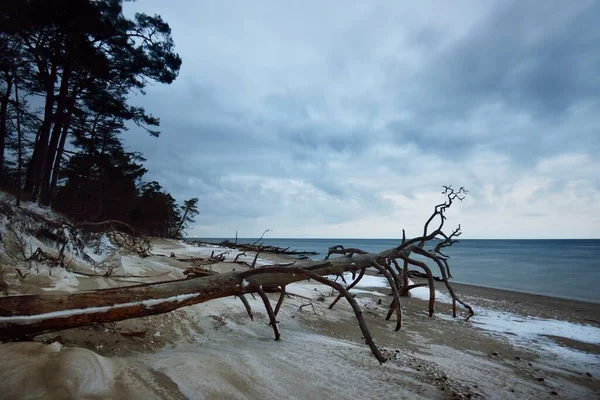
[{"x": 189, "y": 211}]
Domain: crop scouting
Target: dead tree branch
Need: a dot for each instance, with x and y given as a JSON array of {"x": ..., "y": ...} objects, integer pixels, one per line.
[
  {"x": 280, "y": 300},
  {"x": 350, "y": 286},
  {"x": 23, "y": 317},
  {"x": 246, "y": 305},
  {"x": 270, "y": 313}
]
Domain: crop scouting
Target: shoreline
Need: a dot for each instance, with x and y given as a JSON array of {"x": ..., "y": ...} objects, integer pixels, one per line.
[
  {"x": 526, "y": 305},
  {"x": 531, "y": 294},
  {"x": 510, "y": 264},
  {"x": 504, "y": 351}
]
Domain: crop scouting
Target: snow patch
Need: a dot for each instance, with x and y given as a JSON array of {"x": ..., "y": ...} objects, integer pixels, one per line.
[
  {"x": 422, "y": 293},
  {"x": 531, "y": 332},
  {"x": 27, "y": 319},
  {"x": 530, "y": 327},
  {"x": 370, "y": 281},
  {"x": 62, "y": 281}
]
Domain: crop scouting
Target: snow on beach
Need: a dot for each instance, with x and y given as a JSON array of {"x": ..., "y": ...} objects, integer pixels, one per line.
[
  {"x": 213, "y": 350},
  {"x": 378, "y": 281},
  {"x": 523, "y": 331},
  {"x": 538, "y": 333}
]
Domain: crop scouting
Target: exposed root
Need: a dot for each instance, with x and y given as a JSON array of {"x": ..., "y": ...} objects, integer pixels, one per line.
[{"x": 121, "y": 234}]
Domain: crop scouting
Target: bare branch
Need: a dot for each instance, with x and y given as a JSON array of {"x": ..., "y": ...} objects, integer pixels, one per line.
[
  {"x": 350, "y": 286},
  {"x": 272, "y": 319},
  {"x": 261, "y": 236},
  {"x": 280, "y": 301},
  {"x": 394, "y": 286},
  {"x": 246, "y": 305}
]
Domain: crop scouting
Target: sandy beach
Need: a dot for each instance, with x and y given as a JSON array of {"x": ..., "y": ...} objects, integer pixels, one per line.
[{"x": 516, "y": 346}]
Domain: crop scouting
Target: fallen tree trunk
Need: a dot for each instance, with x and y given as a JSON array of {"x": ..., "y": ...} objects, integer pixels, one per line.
[
  {"x": 23, "y": 317},
  {"x": 30, "y": 315}
]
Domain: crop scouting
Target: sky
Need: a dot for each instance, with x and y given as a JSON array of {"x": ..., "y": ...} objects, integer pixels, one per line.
[{"x": 337, "y": 119}]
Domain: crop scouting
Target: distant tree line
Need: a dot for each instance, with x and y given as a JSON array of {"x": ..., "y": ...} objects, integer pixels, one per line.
[{"x": 67, "y": 70}]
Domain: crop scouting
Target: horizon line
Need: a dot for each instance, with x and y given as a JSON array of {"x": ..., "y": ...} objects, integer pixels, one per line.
[{"x": 357, "y": 238}]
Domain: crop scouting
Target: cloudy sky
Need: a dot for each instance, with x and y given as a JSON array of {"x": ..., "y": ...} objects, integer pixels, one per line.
[{"x": 344, "y": 119}]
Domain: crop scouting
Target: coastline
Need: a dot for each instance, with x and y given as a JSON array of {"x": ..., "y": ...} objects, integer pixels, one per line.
[
  {"x": 531, "y": 295},
  {"x": 538, "y": 266},
  {"x": 532, "y": 304},
  {"x": 516, "y": 346}
]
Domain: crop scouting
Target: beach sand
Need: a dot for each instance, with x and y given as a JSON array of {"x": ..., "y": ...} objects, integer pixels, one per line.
[{"x": 516, "y": 346}]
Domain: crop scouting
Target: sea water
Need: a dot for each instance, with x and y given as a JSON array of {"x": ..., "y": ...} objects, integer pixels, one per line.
[{"x": 557, "y": 268}]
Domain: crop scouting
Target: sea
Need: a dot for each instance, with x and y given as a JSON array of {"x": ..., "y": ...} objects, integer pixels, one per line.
[{"x": 558, "y": 268}]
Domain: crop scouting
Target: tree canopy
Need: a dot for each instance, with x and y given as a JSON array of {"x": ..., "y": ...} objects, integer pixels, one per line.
[{"x": 67, "y": 71}]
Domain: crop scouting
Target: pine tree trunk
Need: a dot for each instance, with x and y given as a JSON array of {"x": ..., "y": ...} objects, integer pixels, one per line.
[
  {"x": 178, "y": 231},
  {"x": 19, "y": 144},
  {"x": 59, "y": 151},
  {"x": 3, "y": 119},
  {"x": 60, "y": 117},
  {"x": 35, "y": 174}
]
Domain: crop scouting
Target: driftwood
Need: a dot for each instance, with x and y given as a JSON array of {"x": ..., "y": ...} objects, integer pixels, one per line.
[
  {"x": 22, "y": 317},
  {"x": 339, "y": 249},
  {"x": 258, "y": 247}
]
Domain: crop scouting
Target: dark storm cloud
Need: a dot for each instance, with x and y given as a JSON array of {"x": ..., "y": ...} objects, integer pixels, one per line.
[
  {"x": 542, "y": 59},
  {"x": 319, "y": 115},
  {"x": 536, "y": 62}
]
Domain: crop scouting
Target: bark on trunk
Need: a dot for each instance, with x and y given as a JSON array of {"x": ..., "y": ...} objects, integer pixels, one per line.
[
  {"x": 49, "y": 192},
  {"x": 30, "y": 315},
  {"x": 64, "y": 108},
  {"x": 34, "y": 176},
  {"x": 19, "y": 143},
  {"x": 3, "y": 119}
]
